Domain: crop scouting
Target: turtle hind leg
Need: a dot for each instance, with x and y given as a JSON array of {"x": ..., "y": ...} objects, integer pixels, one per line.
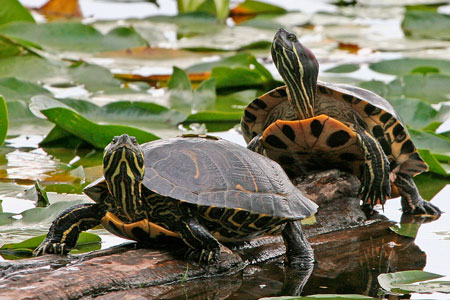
[
  {"x": 299, "y": 253},
  {"x": 65, "y": 229},
  {"x": 412, "y": 202},
  {"x": 375, "y": 182},
  {"x": 204, "y": 247},
  {"x": 255, "y": 144}
]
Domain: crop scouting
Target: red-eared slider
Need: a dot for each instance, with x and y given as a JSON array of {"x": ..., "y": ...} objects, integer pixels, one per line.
[
  {"x": 307, "y": 125},
  {"x": 201, "y": 189}
]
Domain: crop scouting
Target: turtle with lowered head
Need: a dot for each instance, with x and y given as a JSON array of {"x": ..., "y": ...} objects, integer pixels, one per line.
[{"x": 201, "y": 189}]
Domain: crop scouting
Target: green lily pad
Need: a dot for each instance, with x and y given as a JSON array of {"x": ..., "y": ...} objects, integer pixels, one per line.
[
  {"x": 435, "y": 143},
  {"x": 400, "y": 282},
  {"x": 86, "y": 242},
  {"x": 405, "y": 66},
  {"x": 426, "y": 24},
  {"x": 345, "y": 68},
  {"x": 431, "y": 88},
  {"x": 433, "y": 163},
  {"x": 73, "y": 36},
  {"x": 3, "y": 120},
  {"x": 322, "y": 297},
  {"x": 414, "y": 112},
  {"x": 13, "y": 11},
  {"x": 71, "y": 122},
  {"x": 406, "y": 229}
]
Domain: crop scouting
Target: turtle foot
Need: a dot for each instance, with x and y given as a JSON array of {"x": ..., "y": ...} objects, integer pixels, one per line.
[
  {"x": 424, "y": 208},
  {"x": 48, "y": 247}
]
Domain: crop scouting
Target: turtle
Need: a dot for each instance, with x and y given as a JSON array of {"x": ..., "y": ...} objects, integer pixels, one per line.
[
  {"x": 201, "y": 189},
  {"x": 309, "y": 125}
]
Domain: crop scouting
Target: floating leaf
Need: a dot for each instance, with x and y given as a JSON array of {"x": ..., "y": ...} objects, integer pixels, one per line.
[
  {"x": 431, "y": 88},
  {"x": 406, "y": 229},
  {"x": 414, "y": 112},
  {"x": 64, "y": 8},
  {"x": 3, "y": 120},
  {"x": 252, "y": 7},
  {"x": 426, "y": 24},
  {"x": 86, "y": 242},
  {"x": 345, "y": 68},
  {"x": 72, "y": 122},
  {"x": 74, "y": 36},
  {"x": 322, "y": 297},
  {"x": 434, "y": 165},
  {"x": 400, "y": 282},
  {"x": 13, "y": 11},
  {"x": 405, "y": 66}
]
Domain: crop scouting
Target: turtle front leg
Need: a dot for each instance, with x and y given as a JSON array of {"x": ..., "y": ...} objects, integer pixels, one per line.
[
  {"x": 205, "y": 248},
  {"x": 299, "y": 253},
  {"x": 411, "y": 200},
  {"x": 65, "y": 229},
  {"x": 375, "y": 183}
]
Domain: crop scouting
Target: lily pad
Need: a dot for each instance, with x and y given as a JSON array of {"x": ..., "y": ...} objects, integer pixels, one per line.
[
  {"x": 71, "y": 122},
  {"x": 414, "y": 112},
  {"x": 430, "y": 184},
  {"x": 86, "y": 242},
  {"x": 13, "y": 11},
  {"x": 431, "y": 88},
  {"x": 345, "y": 68},
  {"x": 405, "y": 66},
  {"x": 3, "y": 120},
  {"x": 426, "y": 24},
  {"x": 401, "y": 282},
  {"x": 73, "y": 36},
  {"x": 322, "y": 297}
]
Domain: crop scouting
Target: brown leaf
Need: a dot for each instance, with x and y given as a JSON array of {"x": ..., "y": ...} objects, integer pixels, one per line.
[
  {"x": 160, "y": 80},
  {"x": 61, "y": 9},
  {"x": 151, "y": 53}
]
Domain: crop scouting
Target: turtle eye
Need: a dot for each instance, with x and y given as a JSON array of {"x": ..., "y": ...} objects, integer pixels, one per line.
[
  {"x": 133, "y": 140},
  {"x": 292, "y": 37},
  {"x": 115, "y": 139}
]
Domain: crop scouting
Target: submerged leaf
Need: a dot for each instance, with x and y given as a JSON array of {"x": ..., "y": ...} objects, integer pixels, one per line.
[{"x": 346, "y": 68}]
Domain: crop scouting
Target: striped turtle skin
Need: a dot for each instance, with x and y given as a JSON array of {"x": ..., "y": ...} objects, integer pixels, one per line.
[
  {"x": 311, "y": 125},
  {"x": 201, "y": 189}
]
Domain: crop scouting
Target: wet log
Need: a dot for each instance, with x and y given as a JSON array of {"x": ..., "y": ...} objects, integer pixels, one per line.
[{"x": 163, "y": 273}]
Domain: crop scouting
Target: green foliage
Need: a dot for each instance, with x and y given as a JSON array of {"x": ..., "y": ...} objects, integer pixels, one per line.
[
  {"x": 345, "y": 68},
  {"x": 405, "y": 66},
  {"x": 322, "y": 297},
  {"x": 86, "y": 242},
  {"x": 73, "y": 36},
  {"x": 3, "y": 120},
  {"x": 258, "y": 7},
  {"x": 71, "y": 122},
  {"x": 401, "y": 282},
  {"x": 13, "y": 11},
  {"x": 426, "y": 24},
  {"x": 218, "y": 8}
]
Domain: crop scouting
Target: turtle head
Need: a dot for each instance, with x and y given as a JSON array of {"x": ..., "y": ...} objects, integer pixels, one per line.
[
  {"x": 123, "y": 169},
  {"x": 299, "y": 69}
]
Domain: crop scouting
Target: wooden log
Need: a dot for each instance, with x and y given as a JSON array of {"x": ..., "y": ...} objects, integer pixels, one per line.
[{"x": 163, "y": 273}]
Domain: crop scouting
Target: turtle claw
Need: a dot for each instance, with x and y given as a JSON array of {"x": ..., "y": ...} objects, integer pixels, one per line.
[
  {"x": 47, "y": 247},
  {"x": 204, "y": 256}
]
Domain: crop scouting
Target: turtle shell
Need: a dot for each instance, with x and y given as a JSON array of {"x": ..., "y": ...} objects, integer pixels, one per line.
[
  {"x": 377, "y": 114},
  {"x": 213, "y": 172}
]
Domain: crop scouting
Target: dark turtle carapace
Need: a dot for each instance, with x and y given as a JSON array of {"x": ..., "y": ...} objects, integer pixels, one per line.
[{"x": 201, "y": 189}]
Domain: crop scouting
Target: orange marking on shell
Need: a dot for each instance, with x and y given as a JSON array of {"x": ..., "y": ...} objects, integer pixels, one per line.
[{"x": 152, "y": 229}]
